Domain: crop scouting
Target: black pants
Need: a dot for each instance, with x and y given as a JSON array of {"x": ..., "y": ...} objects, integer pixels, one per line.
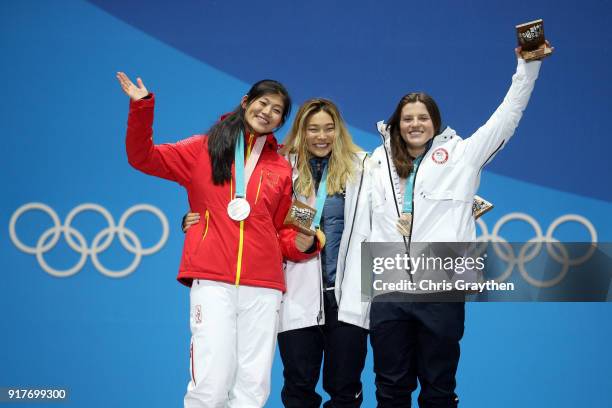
[
  {"x": 341, "y": 346},
  {"x": 413, "y": 340}
]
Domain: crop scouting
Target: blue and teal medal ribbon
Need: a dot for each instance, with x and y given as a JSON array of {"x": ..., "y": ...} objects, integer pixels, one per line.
[
  {"x": 408, "y": 191},
  {"x": 320, "y": 202},
  {"x": 239, "y": 164}
]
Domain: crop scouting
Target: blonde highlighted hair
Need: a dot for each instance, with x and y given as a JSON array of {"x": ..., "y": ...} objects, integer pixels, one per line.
[{"x": 341, "y": 165}]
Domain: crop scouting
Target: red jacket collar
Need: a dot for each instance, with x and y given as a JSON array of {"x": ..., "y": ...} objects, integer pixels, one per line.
[{"x": 271, "y": 142}]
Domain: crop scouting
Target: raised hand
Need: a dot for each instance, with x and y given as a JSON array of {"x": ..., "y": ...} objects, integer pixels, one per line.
[
  {"x": 518, "y": 50},
  {"x": 135, "y": 92},
  {"x": 549, "y": 46}
]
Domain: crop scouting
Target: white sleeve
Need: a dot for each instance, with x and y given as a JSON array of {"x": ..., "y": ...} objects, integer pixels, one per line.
[
  {"x": 363, "y": 214},
  {"x": 493, "y": 135}
]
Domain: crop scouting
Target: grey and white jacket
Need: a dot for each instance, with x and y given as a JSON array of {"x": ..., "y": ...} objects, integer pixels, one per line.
[{"x": 302, "y": 304}]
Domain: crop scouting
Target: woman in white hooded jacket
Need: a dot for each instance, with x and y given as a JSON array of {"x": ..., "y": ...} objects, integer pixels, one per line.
[{"x": 421, "y": 188}]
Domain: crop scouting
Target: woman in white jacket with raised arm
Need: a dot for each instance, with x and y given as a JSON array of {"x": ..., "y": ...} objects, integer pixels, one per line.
[{"x": 421, "y": 185}]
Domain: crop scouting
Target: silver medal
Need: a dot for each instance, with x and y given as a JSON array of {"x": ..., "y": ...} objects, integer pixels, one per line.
[{"x": 238, "y": 209}]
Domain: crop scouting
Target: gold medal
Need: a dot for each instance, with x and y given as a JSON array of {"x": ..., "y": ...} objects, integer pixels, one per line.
[
  {"x": 404, "y": 222},
  {"x": 321, "y": 237}
]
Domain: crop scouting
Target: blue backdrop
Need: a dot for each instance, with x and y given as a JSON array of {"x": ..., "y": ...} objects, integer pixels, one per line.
[{"x": 123, "y": 340}]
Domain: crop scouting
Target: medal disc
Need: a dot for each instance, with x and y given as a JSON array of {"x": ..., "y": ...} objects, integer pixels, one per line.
[
  {"x": 238, "y": 209},
  {"x": 404, "y": 223}
]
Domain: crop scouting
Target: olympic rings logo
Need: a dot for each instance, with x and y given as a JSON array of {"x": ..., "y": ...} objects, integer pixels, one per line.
[
  {"x": 532, "y": 247},
  {"x": 77, "y": 242}
]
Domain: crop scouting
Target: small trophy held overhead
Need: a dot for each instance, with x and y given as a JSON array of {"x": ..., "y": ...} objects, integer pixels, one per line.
[
  {"x": 300, "y": 217},
  {"x": 532, "y": 41}
]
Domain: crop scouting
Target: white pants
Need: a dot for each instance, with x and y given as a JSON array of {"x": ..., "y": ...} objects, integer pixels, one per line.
[{"x": 233, "y": 337}]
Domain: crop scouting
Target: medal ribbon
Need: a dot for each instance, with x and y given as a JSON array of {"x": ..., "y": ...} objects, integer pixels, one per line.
[
  {"x": 408, "y": 191},
  {"x": 243, "y": 169},
  {"x": 321, "y": 196}
]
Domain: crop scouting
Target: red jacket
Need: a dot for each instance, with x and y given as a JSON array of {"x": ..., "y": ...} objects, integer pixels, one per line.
[{"x": 219, "y": 248}]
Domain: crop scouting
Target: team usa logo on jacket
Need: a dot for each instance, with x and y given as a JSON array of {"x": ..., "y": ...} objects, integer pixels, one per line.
[{"x": 440, "y": 155}]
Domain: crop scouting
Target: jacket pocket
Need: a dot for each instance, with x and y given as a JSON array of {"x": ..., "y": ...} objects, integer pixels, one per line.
[
  {"x": 454, "y": 182},
  {"x": 458, "y": 193},
  {"x": 195, "y": 235},
  {"x": 261, "y": 177},
  {"x": 269, "y": 189},
  {"x": 439, "y": 195},
  {"x": 204, "y": 230},
  {"x": 378, "y": 200}
]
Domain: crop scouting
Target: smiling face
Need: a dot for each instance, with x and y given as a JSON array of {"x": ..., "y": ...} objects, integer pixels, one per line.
[
  {"x": 264, "y": 114},
  {"x": 320, "y": 134},
  {"x": 416, "y": 126}
]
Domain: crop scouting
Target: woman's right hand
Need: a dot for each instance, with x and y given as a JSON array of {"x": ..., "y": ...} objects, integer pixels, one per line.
[
  {"x": 135, "y": 92},
  {"x": 304, "y": 242},
  {"x": 190, "y": 219},
  {"x": 519, "y": 49}
]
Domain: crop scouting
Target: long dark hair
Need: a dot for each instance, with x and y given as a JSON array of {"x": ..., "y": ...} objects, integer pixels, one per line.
[
  {"x": 399, "y": 147},
  {"x": 222, "y": 135}
]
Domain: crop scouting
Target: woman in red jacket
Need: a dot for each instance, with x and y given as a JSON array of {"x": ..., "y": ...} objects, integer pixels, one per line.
[{"x": 232, "y": 259}]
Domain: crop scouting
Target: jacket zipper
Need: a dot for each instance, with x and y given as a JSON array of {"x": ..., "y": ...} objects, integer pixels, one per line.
[
  {"x": 406, "y": 241},
  {"x": 192, "y": 363},
  {"x": 240, "y": 248},
  {"x": 240, "y": 242},
  {"x": 416, "y": 173},
  {"x": 406, "y": 244},
  {"x": 352, "y": 226},
  {"x": 259, "y": 185},
  {"x": 320, "y": 314},
  {"x": 241, "y": 237},
  {"x": 205, "y": 232},
  {"x": 390, "y": 177},
  {"x": 206, "y": 217}
]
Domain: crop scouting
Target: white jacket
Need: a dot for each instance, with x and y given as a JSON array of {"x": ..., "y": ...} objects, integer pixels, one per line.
[
  {"x": 449, "y": 174},
  {"x": 302, "y": 304},
  {"x": 446, "y": 180}
]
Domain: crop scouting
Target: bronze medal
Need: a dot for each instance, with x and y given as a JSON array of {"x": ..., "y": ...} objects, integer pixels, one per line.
[{"x": 404, "y": 223}]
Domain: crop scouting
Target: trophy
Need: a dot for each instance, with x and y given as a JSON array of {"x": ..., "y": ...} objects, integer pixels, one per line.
[
  {"x": 300, "y": 217},
  {"x": 480, "y": 206},
  {"x": 531, "y": 40}
]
